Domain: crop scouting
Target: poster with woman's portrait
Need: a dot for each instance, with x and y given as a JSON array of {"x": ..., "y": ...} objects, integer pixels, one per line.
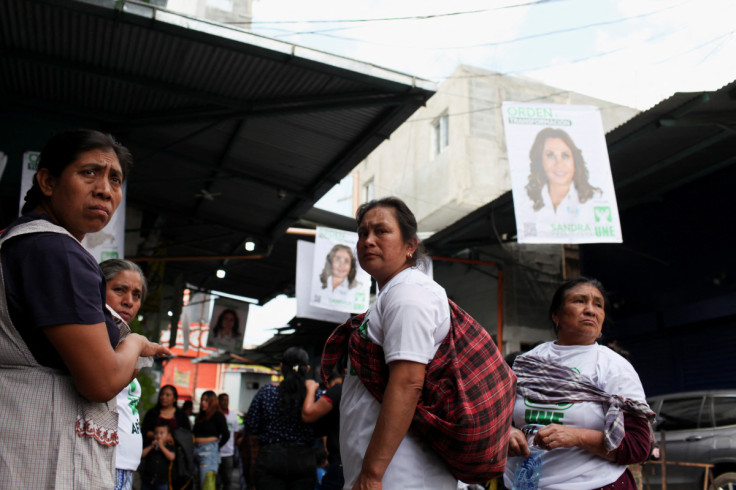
[
  {"x": 560, "y": 174},
  {"x": 227, "y": 326},
  {"x": 338, "y": 282}
]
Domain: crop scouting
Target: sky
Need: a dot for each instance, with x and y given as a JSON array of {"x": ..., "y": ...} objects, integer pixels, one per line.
[{"x": 632, "y": 52}]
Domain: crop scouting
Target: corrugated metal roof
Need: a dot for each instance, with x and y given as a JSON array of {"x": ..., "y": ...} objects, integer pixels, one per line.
[{"x": 265, "y": 127}]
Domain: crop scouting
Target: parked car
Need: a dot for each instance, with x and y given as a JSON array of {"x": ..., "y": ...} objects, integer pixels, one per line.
[{"x": 697, "y": 427}]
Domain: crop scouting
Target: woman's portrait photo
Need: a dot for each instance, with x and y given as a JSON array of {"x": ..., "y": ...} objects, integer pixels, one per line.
[
  {"x": 339, "y": 270},
  {"x": 338, "y": 283},
  {"x": 558, "y": 172},
  {"x": 226, "y": 332}
]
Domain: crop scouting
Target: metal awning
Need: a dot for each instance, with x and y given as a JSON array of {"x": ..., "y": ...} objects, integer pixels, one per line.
[{"x": 235, "y": 136}]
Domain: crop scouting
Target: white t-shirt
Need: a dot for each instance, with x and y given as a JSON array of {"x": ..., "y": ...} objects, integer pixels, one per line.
[
  {"x": 128, "y": 451},
  {"x": 409, "y": 319},
  {"x": 576, "y": 468},
  {"x": 232, "y": 424}
]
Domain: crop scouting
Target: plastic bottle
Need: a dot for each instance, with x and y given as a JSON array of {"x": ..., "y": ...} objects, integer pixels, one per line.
[{"x": 526, "y": 475}]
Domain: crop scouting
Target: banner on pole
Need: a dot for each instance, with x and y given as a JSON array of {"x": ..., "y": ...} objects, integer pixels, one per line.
[
  {"x": 227, "y": 326},
  {"x": 338, "y": 282},
  {"x": 560, "y": 174}
]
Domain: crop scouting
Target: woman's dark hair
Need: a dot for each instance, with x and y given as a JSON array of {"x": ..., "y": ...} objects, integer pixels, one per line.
[
  {"x": 294, "y": 368},
  {"x": 212, "y": 406},
  {"x": 173, "y": 390},
  {"x": 112, "y": 267},
  {"x": 558, "y": 299},
  {"x": 187, "y": 405},
  {"x": 405, "y": 218},
  {"x": 235, "y": 333},
  {"x": 66, "y": 147},
  {"x": 327, "y": 271},
  {"x": 538, "y": 177}
]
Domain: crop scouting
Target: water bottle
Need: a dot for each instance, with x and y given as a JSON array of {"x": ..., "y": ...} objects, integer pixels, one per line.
[{"x": 526, "y": 475}]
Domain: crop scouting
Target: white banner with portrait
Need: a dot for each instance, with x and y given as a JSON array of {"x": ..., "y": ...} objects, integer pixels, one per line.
[
  {"x": 338, "y": 282},
  {"x": 227, "y": 326},
  {"x": 305, "y": 270},
  {"x": 560, "y": 174}
]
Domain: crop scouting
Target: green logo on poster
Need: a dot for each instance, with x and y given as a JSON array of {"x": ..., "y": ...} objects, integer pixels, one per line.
[{"x": 602, "y": 213}]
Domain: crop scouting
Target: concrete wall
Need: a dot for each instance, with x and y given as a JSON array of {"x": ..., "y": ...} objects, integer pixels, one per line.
[{"x": 531, "y": 273}]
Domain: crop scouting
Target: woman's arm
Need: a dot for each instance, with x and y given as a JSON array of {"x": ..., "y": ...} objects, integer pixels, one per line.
[
  {"x": 313, "y": 411},
  {"x": 222, "y": 429},
  {"x": 405, "y": 382},
  {"x": 636, "y": 444},
  {"x": 98, "y": 371}
]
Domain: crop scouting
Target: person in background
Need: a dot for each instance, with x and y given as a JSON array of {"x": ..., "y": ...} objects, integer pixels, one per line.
[
  {"x": 227, "y": 452},
  {"x": 126, "y": 290},
  {"x": 210, "y": 434},
  {"x": 285, "y": 456},
  {"x": 157, "y": 458},
  {"x": 320, "y": 456},
  {"x": 164, "y": 411},
  {"x": 188, "y": 408},
  {"x": 60, "y": 347},
  {"x": 579, "y": 385},
  {"x": 326, "y": 411}
]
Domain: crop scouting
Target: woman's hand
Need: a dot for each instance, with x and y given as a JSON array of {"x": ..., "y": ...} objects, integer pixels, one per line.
[
  {"x": 149, "y": 348},
  {"x": 311, "y": 385},
  {"x": 366, "y": 483},
  {"x": 554, "y": 436},
  {"x": 517, "y": 443}
]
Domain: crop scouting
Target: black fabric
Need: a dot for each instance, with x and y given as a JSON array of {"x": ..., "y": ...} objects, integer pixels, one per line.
[
  {"x": 156, "y": 466},
  {"x": 331, "y": 423},
  {"x": 182, "y": 468},
  {"x": 215, "y": 426},
  {"x": 51, "y": 280},
  {"x": 286, "y": 466},
  {"x": 333, "y": 479}
]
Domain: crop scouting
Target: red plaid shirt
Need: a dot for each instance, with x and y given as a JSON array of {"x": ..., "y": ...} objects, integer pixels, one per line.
[{"x": 464, "y": 412}]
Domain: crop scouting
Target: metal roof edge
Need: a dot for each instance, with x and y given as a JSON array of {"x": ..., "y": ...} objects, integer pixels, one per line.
[{"x": 241, "y": 36}]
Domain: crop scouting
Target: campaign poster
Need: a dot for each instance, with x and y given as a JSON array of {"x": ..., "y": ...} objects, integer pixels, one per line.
[
  {"x": 227, "y": 326},
  {"x": 338, "y": 282},
  {"x": 560, "y": 174},
  {"x": 109, "y": 242},
  {"x": 304, "y": 269}
]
